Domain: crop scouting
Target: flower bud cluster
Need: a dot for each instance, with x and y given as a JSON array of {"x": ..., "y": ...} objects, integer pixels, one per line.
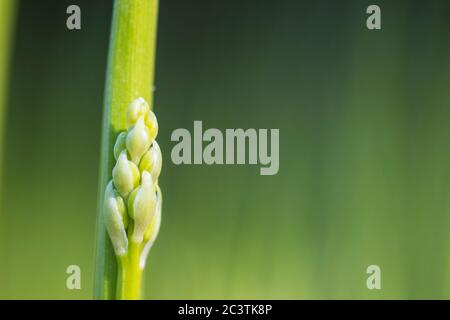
[{"x": 132, "y": 203}]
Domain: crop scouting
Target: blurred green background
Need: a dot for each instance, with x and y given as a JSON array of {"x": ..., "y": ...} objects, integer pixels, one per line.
[{"x": 364, "y": 150}]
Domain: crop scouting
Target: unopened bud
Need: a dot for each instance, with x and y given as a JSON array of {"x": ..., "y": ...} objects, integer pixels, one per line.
[
  {"x": 125, "y": 175},
  {"x": 115, "y": 218},
  {"x": 152, "y": 124},
  {"x": 138, "y": 108},
  {"x": 142, "y": 205},
  {"x": 138, "y": 141},
  {"x": 152, "y": 231},
  {"x": 152, "y": 161}
]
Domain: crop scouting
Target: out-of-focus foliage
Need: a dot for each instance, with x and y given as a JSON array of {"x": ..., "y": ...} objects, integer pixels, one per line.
[{"x": 364, "y": 149}]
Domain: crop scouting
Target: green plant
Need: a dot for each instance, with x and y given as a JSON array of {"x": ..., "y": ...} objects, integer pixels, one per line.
[{"x": 130, "y": 76}]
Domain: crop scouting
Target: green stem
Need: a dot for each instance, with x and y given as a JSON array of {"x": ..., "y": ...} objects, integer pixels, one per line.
[
  {"x": 130, "y": 75},
  {"x": 129, "y": 285}
]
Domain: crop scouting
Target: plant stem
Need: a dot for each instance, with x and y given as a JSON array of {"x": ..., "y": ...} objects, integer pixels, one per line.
[
  {"x": 130, "y": 75},
  {"x": 129, "y": 285}
]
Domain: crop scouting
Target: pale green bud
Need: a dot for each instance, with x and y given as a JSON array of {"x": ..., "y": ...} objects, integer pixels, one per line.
[
  {"x": 138, "y": 141},
  {"x": 152, "y": 161},
  {"x": 152, "y": 230},
  {"x": 125, "y": 175},
  {"x": 152, "y": 124},
  {"x": 142, "y": 205},
  {"x": 120, "y": 145},
  {"x": 138, "y": 108},
  {"x": 115, "y": 218}
]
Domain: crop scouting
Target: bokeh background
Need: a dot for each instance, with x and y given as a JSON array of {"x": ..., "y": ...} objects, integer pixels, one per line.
[{"x": 364, "y": 150}]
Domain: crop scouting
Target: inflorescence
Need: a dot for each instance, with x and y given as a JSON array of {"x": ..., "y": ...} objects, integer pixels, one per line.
[{"x": 132, "y": 203}]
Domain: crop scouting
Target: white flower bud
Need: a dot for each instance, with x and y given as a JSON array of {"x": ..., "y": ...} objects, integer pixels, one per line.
[
  {"x": 120, "y": 145},
  {"x": 152, "y": 161},
  {"x": 152, "y": 124},
  {"x": 142, "y": 205},
  {"x": 125, "y": 175},
  {"x": 152, "y": 231},
  {"x": 138, "y": 141},
  {"x": 138, "y": 108},
  {"x": 115, "y": 218}
]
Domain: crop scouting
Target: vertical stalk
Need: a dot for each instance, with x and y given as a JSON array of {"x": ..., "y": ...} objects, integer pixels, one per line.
[
  {"x": 129, "y": 286},
  {"x": 130, "y": 75}
]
